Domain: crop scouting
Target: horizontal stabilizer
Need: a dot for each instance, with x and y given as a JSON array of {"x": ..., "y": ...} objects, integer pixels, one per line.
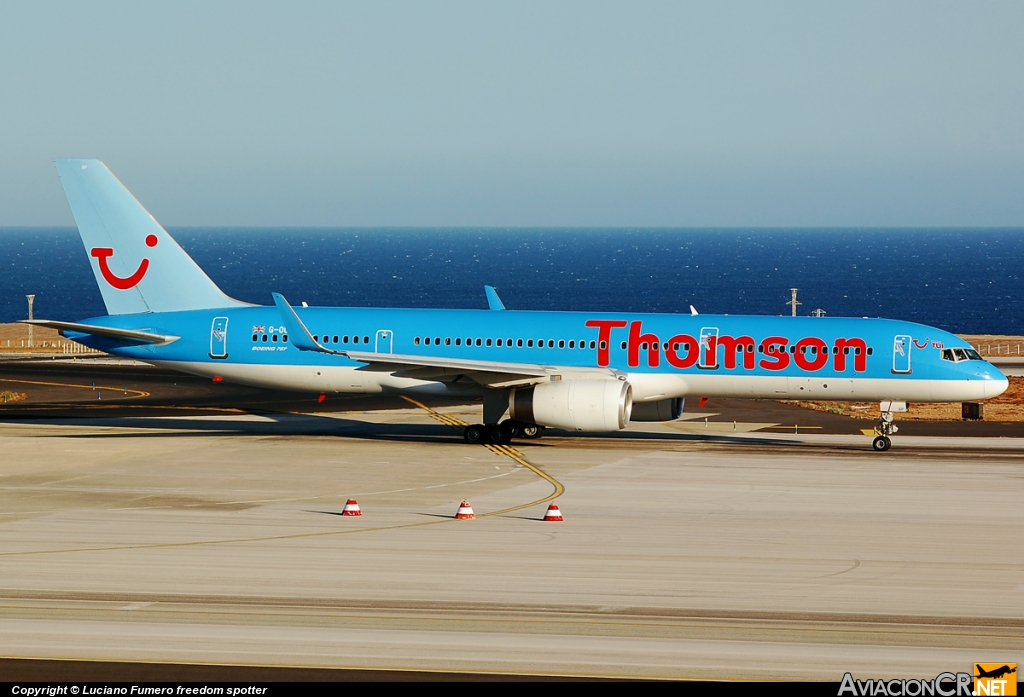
[{"x": 133, "y": 335}]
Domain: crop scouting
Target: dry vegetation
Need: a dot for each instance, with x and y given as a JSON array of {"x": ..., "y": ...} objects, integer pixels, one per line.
[
  {"x": 7, "y": 396},
  {"x": 1008, "y": 406},
  {"x": 14, "y": 339},
  {"x": 996, "y": 345}
]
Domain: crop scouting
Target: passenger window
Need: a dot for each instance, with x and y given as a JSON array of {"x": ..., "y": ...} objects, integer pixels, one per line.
[
  {"x": 519, "y": 343},
  {"x": 529, "y": 343},
  {"x": 344, "y": 339},
  {"x": 592, "y": 344},
  {"x": 335, "y": 338},
  {"x": 447, "y": 341},
  {"x": 572, "y": 343},
  {"x": 499, "y": 342},
  {"x": 623, "y": 344},
  {"x": 274, "y": 338},
  {"x": 458, "y": 341},
  {"x": 284, "y": 337},
  {"x": 254, "y": 337},
  {"x": 508, "y": 342},
  {"x": 561, "y": 343},
  {"x": 870, "y": 350},
  {"x": 265, "y": 338},
  {"x": 551, "y": 343},
  {"x": 416, "y": 341},
  {"x": 366, "y": 339},
  {"x": 643, "y": 346},
  {"x": 478, "y": 342},
  {"x": 488, "y": 342}
]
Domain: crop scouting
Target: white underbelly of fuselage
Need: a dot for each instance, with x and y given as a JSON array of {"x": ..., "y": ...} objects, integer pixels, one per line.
[
  {"x": 652, "y": 387},
  {"x": 646, "y": 386},
  {"x": 305, "y": 378}
]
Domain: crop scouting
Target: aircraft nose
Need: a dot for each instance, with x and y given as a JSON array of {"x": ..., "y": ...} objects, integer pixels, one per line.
[{"x": 994, "y": 380}]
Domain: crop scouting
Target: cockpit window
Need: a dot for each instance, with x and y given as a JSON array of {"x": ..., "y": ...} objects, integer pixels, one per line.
[{"x": 960, "y": 354}]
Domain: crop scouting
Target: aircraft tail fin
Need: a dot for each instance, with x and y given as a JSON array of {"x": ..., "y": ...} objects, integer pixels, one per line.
[{"x": 138, "y": 266}]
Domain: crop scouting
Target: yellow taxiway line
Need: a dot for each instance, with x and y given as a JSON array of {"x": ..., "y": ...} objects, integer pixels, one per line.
[{"x": 506, "y": 450}]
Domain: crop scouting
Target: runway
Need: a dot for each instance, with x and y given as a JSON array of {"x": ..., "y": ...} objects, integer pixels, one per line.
[{"x": 687, "y": 551}]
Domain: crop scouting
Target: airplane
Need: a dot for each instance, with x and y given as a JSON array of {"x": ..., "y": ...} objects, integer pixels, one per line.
[
  {"x": 995, "y": 673},
  {"x": 577, "y": 371}
]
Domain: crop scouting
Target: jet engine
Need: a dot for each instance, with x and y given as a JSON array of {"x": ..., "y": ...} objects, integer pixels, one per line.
[
  {"x": 662, "y": 410},
  {"x": 575, "y": 405}
]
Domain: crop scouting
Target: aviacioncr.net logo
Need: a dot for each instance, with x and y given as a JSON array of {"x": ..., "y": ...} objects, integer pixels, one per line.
[{"x": 943, "y": 685}]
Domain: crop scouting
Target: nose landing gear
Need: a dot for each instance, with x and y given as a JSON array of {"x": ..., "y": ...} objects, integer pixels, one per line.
[{"x": 883, "y": 430}]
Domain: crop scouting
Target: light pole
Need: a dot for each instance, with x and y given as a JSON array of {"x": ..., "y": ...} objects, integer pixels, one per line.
[
  {"x": 794, "y": 302},
  {"x": 31, "y": 299}
]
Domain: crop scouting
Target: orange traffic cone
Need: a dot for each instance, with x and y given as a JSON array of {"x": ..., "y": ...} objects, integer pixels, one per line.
[
  {"x": 553, "y": 515},
  {"x": 465, "y": 512},
  {"x": 352, "y": 508}
]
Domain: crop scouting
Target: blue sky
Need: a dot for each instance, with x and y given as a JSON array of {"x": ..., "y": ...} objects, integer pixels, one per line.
[{"x": 521, "y": 114}]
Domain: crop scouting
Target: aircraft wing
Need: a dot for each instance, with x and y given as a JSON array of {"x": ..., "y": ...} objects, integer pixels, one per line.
[
  {"x": 135, "y": 335},
  {"x": 488, "y": 373}
]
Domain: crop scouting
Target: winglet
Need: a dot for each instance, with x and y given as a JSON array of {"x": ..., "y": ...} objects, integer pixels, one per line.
[
  {"x": 298, "y": 335},
  {"x": 493, "y": 301},
  {"x": 693, "y": 311}
]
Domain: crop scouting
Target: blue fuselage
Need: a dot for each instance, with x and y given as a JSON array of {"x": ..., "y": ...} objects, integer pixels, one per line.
[{"x": 870, "y": 358}]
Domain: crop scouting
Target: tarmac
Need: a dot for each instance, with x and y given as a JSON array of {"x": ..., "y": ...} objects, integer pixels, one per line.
[{"x": 696, "y": 550}]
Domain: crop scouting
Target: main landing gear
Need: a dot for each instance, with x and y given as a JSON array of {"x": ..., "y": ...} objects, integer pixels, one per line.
[
  {"x": 501, "y": 434},
  {"x": 883, "y": 430}
]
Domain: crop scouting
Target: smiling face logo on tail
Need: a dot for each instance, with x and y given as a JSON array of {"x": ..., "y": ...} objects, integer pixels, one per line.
[{"x": 104, "y": 253}]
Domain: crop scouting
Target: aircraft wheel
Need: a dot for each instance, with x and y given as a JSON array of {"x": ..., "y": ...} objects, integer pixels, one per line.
[
  {"x": 881, "y": 444},
  {"x": 532, "y": 431},
  {"x": 499, "y": 434},
  {"x": 474, "y": 434}
]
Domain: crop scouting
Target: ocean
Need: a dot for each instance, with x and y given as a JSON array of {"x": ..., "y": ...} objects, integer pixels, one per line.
[{"x": 961, "y": 280}]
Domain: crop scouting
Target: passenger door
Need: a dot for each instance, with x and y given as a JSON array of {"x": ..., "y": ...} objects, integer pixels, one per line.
[
  {"x": 901, "y": 346},
  {"x": 708, "y": 348},
  {"x": 384, "y": 342},
  {"x": 219, "y": 338}
]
